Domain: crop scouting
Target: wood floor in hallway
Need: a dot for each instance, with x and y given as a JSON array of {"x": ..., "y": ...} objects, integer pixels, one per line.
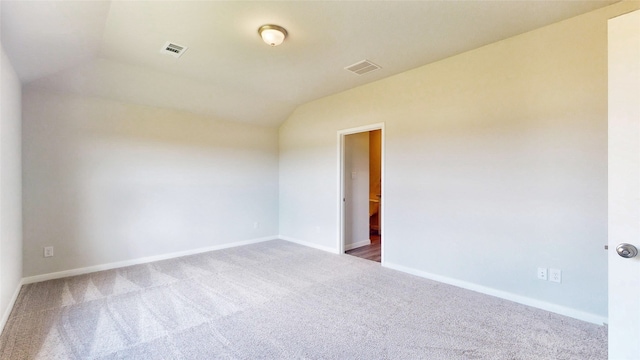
[{"x": 371, "y": 252}]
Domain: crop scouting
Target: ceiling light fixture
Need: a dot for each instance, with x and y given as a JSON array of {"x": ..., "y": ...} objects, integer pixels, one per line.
[{"x": 272, "y": 34}]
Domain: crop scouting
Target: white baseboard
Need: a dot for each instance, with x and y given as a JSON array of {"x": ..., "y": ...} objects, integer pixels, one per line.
[
  {"x": 144, "y": 260},
  {"x": 12, "y": 301},
  {"x": 357, "y": 244},
  {"x": 309, "y": 244},
  {"x": 558, "y": 309}
]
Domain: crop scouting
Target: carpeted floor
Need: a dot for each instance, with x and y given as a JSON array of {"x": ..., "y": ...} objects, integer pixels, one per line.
[{"x": 278, "y": 300}]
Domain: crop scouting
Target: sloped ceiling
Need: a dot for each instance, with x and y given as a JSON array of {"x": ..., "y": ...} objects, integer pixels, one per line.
[{"x": 112, "y": 49}]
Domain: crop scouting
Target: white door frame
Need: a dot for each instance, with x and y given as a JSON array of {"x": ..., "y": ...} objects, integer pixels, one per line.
[{"x": 341, "y": 175}]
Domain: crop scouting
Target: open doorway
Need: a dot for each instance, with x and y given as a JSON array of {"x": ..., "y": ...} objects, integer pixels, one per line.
[{"x": 361, "y": 196}]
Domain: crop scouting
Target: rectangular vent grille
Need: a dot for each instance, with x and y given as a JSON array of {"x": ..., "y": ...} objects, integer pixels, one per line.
[
  {"x": 172, "y": 49},
  {"x": 362, "y": 67}
]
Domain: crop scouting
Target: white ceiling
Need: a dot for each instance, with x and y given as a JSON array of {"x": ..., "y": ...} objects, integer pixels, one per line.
[{"x": 112, "y": 48}]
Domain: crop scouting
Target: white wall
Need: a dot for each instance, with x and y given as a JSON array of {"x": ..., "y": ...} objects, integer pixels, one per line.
[
  {"x": 496, "y": 164},
  {"x": 356, "y": 189},
  {"x": 10, "y": 187},
  {"x": 106, "y": 181}
]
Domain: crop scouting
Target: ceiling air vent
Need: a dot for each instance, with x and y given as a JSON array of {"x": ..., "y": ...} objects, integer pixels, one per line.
[
  {"x": 362, "y": 67},
  {"x": 173, "y": 49}
]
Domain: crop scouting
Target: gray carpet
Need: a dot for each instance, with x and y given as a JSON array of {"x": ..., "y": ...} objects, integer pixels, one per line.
[{"x": 278, "y": 300}]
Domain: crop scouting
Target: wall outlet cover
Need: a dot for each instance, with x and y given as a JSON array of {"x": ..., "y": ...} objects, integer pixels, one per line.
[
  {"x": 542, "y": 273},
  {"x": 48, "y": 251}
]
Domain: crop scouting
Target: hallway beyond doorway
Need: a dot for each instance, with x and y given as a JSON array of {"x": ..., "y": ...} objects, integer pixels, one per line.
[{"x": 370, "y": 252}]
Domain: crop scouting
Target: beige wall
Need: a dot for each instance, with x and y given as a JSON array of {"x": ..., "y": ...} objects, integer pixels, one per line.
[
  {"x": 375, "y": 153},
  {"x": 10, "y": 187},
  {"x": 106, "y": 181},
  {"x": 495, "y": 165}
]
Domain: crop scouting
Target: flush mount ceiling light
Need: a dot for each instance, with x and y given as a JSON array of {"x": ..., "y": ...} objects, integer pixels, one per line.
[{"x": 272, "y": 34}]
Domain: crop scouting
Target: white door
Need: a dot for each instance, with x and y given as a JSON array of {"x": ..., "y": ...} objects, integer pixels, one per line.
[
  {"x": 624, "y": 185},
  {"x": 356, "y": 190}
]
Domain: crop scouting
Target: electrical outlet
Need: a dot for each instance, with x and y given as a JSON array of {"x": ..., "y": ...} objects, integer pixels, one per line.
[
  {"x": 48, "y": 251},
  {"x": 542, "y": 273},
  {"x": 256, "y": 225},
  {"x": 555, "y": 275}
]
